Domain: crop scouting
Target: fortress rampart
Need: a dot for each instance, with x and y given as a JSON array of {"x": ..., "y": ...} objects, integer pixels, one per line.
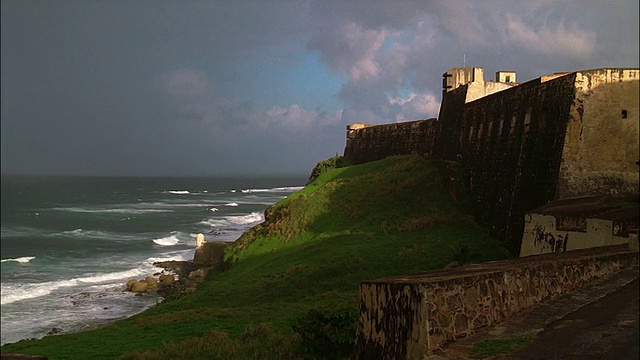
[{"x": 524, "y": 145}]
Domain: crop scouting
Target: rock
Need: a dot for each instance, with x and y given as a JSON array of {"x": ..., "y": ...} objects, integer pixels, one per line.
[
  {"x": 210, "y": 252},
  {"x": 130, "y": 283},
  {"x": 152, "y": 283},
  {"x": 166, "y": 280},
  {"x": 139, "y": 287},
  {"x": 54, "y": 330}
]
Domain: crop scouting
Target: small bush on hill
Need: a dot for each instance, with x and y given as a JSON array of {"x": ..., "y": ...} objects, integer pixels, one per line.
[
  {"x": 327, "y": 334},
  {"x": 335, "y": 162}
]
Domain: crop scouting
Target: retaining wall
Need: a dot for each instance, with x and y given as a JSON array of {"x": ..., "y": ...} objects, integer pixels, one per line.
[{"x": 407, "y": 317}]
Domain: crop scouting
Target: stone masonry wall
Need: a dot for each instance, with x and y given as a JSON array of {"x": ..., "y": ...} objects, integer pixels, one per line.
[
  {"x": 602, "y": 143},
  {"x": 565, "y": 135},
  {"x": 407, "y": 317},
  {"x": 377, "y": 142},
  {"x": 511, "y": 143}
]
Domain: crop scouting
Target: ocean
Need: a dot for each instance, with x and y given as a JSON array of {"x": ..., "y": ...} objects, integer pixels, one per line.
[{"x": 69, "y": 244}]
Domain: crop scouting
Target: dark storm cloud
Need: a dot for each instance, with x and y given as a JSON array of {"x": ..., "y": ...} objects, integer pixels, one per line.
[{"x": 181, "y": 88}]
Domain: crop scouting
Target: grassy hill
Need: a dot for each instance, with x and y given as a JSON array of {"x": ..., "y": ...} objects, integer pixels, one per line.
[{"x": 300, "y": 270}]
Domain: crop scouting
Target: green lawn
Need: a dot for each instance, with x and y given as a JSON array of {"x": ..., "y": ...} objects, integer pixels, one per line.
[{"x": 384, "y": 218}]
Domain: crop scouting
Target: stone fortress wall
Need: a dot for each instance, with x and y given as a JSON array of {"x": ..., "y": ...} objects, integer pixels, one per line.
[
  {"x": 553, "y": 157},
  {"x": 524, "y": 145}
]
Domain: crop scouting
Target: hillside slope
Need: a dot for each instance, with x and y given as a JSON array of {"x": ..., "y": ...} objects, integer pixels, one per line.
[{"x": 384, "y": 218}]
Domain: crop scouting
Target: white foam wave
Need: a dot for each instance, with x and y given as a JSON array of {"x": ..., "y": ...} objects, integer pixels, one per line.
[
  {"x": 18, "y": 292},
  {"x": 22, "y": 260},
  {"x": 288, "y": 188},
  {"x": 178, "y": 192},
  {"x": 181, "y": 255},
  {"x": 231, "y": 204},
  {"x": 276, "y": 189},
  {"x": 214, "y": 222},
  {"x": 213, "y": 209},
  {"x": 254, "y": 217},
  {"x": 167, "y": 241}
]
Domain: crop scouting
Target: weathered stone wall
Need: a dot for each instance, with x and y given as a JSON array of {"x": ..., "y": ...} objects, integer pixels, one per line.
[
  {"x": 511, "y": 142},
  {"x": 407, "y": 317},
  {"x": 602, "y": 145},
  {"x": 558, "y": 136},
  {"x": 376, "y": 142}
]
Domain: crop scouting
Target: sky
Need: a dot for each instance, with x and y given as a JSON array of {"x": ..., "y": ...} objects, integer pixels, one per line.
[{"x": 261, "y": 87}]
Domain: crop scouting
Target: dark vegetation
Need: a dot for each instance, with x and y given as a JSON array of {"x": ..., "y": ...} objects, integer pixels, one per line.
[{"x": 289, "y": 287}]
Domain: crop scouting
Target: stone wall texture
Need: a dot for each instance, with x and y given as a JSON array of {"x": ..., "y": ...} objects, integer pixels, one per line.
[
  {"x": 574, "y": 134},
  {"x": 380, "y": 141},
  {"x": 407, "y": 317}
]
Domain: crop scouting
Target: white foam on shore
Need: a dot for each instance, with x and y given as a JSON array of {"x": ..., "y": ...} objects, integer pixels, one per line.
[
  {"x": 18, "y": 292},
  {"x": 178, "y": 192},
  {"x": 167, "y": 241},
  {"x": 22, "y": 260}
]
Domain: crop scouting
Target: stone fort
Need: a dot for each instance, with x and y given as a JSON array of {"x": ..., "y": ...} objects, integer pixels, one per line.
[
  {"x": 562, "y": 146},
  {"x": 551, "y": 165}
]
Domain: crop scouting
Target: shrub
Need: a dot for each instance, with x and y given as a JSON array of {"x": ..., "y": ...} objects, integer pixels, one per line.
[
  {"x": 331, "y": 163},
  {"x": 327, "y": 334}
]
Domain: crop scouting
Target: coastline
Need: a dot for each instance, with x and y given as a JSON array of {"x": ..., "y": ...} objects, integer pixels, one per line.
[{"x": 189, "y": 276}]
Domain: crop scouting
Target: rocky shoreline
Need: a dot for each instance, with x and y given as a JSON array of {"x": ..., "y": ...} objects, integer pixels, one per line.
[{"x": 178, "y": 277}]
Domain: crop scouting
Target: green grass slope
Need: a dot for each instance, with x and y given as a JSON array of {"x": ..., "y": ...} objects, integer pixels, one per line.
[{"x": 379, "y": 219}]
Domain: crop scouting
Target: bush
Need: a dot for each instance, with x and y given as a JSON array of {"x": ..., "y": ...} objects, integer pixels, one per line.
[
  {"x": 335, "y": 162},
  {"x": 327, "y": 334}
]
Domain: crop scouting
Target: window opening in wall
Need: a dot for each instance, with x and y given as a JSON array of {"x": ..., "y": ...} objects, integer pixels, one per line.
[
  {"x": 624, "y": 114},
  {"x": 507, "y": 78},
  {"x": 500, "y": 126}
]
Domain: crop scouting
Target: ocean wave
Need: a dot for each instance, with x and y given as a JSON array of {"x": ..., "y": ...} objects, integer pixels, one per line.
[
  {"x": 21, "y": 260},
  {"x": 254, "y": 217},
  {"x": 275, "y": 189},
  {"x": 213, "y": 209},
  {"x": 178, "y": 192},
  {"x": 111, "y": 210},
  {"x": 231, "y": 204},
  {"x": 96, "y": 234},
  {"x": 181, "y": 255},
  {"x": 20, "y": 231},
  {"x": 287, "y": 188},
  {"x": 19, "y": 292},
  {"x": 167, "y": 241}
]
